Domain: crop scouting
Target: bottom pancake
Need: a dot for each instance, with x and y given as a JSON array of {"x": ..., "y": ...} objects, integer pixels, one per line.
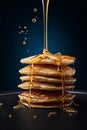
[
  {"x": 46, "y": 105},
  {"x": 46, "y": 100}
]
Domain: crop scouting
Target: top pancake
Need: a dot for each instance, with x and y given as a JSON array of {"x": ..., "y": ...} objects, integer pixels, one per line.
[{"x": 49, "y": 58}]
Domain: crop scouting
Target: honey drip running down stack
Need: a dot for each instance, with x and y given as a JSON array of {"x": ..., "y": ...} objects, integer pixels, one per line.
[
  {"x": 47, "y": 76},
  {"x": 46, "y": 79}
]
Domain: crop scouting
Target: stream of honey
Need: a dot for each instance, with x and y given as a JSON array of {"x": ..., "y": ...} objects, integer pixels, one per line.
[{"x": 45, "y": 4}]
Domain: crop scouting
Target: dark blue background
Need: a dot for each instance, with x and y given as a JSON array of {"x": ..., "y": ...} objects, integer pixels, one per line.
[{"x": 67, "y": 34}]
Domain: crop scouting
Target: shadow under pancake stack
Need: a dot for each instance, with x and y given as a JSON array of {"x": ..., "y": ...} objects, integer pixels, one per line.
[{"x": 46, "y": 80}]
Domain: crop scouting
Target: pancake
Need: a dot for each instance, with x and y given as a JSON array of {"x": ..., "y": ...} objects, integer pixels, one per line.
[
  {"x": 49, "y": 58},
  {"x": 46, "y": 105},
  {"x": 46, "y": 99},
  {"x": 48, "y": 70},
  {"x": 43, "y": 79},
  {"x": 44, "y": 86},
  {"x": 46, "y": 80},
  {"x": 45, "y": 96}
]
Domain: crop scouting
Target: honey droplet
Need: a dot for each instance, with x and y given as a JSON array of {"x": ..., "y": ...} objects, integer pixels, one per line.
[
  {"x": 34, "y": 20},
  {"x": 19, "y": 27},
  {"x": 27, "y": 31},
  {"x": 51, "y": 114},
  {"x": 1, "y": 104},
  {"x": 24, "y": 42},
  {"x": 34, "y": 116},
  {"x": 70, "y": 110},
  {"x": 25, "y": 27},
  {"x": 19, "y": 33},
  {"x": 48, "y": 115},
  {"x": 25, "y": 38},
  {"x": 70, "y": 114},
  {"x": 35, "y": 10},
  {"x": 10, "y": 116},
  {"x": 22, "y": 31},
  {"x": 27, "y": 50}
]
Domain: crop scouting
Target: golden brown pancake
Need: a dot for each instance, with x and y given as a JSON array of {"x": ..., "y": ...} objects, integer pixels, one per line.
[
  {"x": 39, "y": 96},
  {"x": 48, "y": 70},
  {"x": 47, "y": 105},
  {"x": 44, "y": 86},
  {"x": 46, "y": 99},
  {"x": 49, "y": 58},
  {"x": 43, "y": 79}
]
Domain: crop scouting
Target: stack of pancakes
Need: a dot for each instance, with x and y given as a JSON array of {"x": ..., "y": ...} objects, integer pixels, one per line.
[{"x": 46, "y": 79}]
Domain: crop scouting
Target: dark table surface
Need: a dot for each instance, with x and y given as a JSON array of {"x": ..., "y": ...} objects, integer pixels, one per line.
[{"x": 37, "y": 119}]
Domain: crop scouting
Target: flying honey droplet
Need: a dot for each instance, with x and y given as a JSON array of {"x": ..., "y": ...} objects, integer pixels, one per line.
[
  {"x": 19, "y": 27},
  {"x": 19, "y": 33},
  {"x": 25, "y": 27},
  {"x": 24, "y": 42},
  {"x": 22, "y": 31},
  {"x": 35, "y": 10},
  {"x": 25, "y": 38},
  {"x": 27, "y": 31},
  {"x": 27, "y": 50},
  {"x": 34, "y": 20}
]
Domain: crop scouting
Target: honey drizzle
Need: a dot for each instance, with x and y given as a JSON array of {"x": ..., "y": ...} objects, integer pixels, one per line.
[
  {"x": 31, "y": 84},
  {"x": 60, "y": 69},
  {"x": 63, "y": 90}
]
